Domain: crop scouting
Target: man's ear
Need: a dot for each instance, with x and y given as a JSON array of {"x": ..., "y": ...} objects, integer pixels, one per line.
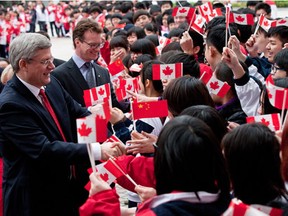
[
  {"x": 22, "y": 64},
  {"x": 212, "y": 51}
]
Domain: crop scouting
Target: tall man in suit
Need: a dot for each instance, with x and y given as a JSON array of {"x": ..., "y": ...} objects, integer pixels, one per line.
[
  {"x": 37, "y": 148},
  {"x": 75, "y": 76}
]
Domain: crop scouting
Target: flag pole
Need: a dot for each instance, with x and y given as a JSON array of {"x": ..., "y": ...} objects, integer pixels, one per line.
[
  {"x": 283, "y": 108},
  {"x": 179, "y": 3},
  {"x": 257, "y": 27},
  {"x": 91, "y": 157},
  {"x": 134, "y": 122}
]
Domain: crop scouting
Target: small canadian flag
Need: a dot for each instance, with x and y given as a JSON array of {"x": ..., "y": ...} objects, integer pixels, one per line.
[
  {"x": 91, "y": 129},
  {"x": 163, "y": 41},
  {"x": 242, "y": 19},
  {"x": 238, "y": 208},
  {"x": 105, "y": 174},
  {"x": 198, "y": 24},
  {"x": 270, "y": 120},
  {"x": 214, "y": 85},
  {"x": 130, "y": 84},
  {"x": 113, "y": 138},
  {"x": 96, "y": 95},
  {"x": 282, "y": 22},
  {"x": 205, "y": 9},
  {"x": 265, "y": 23},
  {"x": 101, "y": 62},
  {"x": 167, "y": 71},
  {"x": 183, "y": 11},
  {"x": 216, "y": 12},
  {"x": 276, "y": 95},
  {"x": 136, "y": 68}
]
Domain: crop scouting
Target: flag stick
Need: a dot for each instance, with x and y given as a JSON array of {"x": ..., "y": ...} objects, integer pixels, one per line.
[
  {"x": 283, "y": 107},
  {"x": 119, "y": 168},
  {"x": 91, "y": 157},
  {"x": 285, "y": 119},
  {"x": 257, "y": 27},
  {"x": 179, "y": 3},
  {"x": 134, "y": 122}
]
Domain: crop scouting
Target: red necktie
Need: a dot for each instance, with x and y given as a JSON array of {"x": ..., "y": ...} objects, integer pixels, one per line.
[{"x": 48, "y": 106}]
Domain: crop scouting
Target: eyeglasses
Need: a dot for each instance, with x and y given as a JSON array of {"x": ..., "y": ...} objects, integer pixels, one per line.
[
  {"x": 275, "y": 68},
  {"x": 45, "y": 62},
  {"x": 93, "y": 45}
]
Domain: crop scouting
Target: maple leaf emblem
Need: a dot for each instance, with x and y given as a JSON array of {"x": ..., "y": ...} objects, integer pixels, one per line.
[
  {"x": 129, "y": 87},
  {"x": 212, "y": 15},
  {"x": 282, "y": 21},
  {"x": 167, "y": 71},
  {"x": 105, "y": 177},
  {"x": 101, "y": 91},
  {"x": 266, "y": 23},
  {"x": 265, "y": 122},
  {"x": 84, "y": 130},
  {"x": 199, "y": 21},
  {"x": 183, "y": 10},
  {"x": 240, "y": 18},
  {"x": 269, "y": 94},
  {"x": 214, "y": 85},
  {"x": 205, "y": 8}
]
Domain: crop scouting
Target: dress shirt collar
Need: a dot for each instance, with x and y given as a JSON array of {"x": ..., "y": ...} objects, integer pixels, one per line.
[
  {"x": 35, "y": 90},
  {"x": 78, "y": 61}
]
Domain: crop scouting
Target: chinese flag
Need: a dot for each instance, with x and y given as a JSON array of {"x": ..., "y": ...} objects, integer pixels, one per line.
[
  {"x": 116, "y": 67},
  {"x": 150, "y": 109},
  {"x": 167, "y": 71}
]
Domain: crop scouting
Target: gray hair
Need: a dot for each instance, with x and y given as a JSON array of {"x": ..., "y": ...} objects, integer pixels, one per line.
[{"x": 25, "y": 47}]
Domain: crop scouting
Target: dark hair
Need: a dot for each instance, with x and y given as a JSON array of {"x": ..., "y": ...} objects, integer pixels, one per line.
[
  {"x": 140, "y": 13},
  {"x": 116, "y": 15},
  {"x": 188, "y": 158},
  {"x": 152, "y": 27},
  {"x": 210, "y": 116},
  {"x": 146, "y": 73},
  {"x": 171, "y": 46},
  {"x": 215, "y": 22},
  {"x": 140, "y": 33},
  {"x": 143, "y": 46},
  {"x": 281, "y": 32},
  {"x": 264, "y": 6},
  {"x": 190, "y": 65},
  {"x": 177, "y": 32},
  {"x": 184, "y": 92},
  {"x": 154, "y": 8},
  {"x": 281, "y": 59},
  {"x": 252, "y": 155},
  {"x": 170, "y": 19},
  {"x": 95, "y": 9},
  {"x": 126, "y": 6},
  {"x": 83, "y": 26},
  {"x": 154, "y": 39},
  {"x": 198, "y": 41},
  {"x": 165, "y": 2},
  {"x": 118, "y": 41},
  {"x": 252, "y": 3},
  {"x": 140, "y": 6},
  {"x": 260, "y": 29},
  {"x": 165, "y": 55},
  {"x": 216, "y": 37}
]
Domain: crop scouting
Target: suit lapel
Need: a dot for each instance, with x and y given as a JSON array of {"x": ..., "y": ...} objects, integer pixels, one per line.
[{"x": 76, "y": 75}]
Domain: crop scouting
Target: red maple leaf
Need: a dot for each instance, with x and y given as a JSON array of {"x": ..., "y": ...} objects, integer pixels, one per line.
[
  {"x": 214, "y": 85},
  {"x": 101, "y": 91},
  {"x": 183, "y": 10},
  {"x": 167, "y": 71},
  {"x": 265, "y": 122},
  {"x": 240, "y": 18},
  {"x": 205, "y": 8},
  {"x": 199, "y": 21},
  {"x": 105, "y": 176},
  {"x": 129, "y": 87},
  {"x": 269, "y": 94},
  {"x": 84, "y": 130},
  {"x": 212, "y": 15},
  {"x": 282, "y": 21},
  {"x": 266, "y": 23}
]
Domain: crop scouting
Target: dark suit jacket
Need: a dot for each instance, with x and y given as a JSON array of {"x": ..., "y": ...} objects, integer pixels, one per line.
[
  {"x": 36, "y": 178},
  {"x": 73, "y": 81}
]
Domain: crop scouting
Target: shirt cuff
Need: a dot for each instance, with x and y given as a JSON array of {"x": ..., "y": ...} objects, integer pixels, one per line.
[{"x": 96, "y": 150}]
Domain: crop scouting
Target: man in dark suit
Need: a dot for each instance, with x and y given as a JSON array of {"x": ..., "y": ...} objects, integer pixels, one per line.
[
  {"x": 74, "y": 74},
  {"x": 37, "y": 159}
]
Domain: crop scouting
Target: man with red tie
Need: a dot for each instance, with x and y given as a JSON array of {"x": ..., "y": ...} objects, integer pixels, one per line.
[{"x": 36, "y": 137}]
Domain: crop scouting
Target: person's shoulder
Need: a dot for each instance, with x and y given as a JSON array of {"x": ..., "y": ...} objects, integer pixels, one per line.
[{"x": 64, "y": 67}]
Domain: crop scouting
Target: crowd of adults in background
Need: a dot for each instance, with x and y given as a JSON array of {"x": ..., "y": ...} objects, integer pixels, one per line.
[{"x": 194, "y": 160}]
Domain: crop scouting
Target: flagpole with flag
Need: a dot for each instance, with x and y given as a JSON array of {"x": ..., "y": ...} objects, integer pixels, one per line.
[
  {"x": 191, "y": 20},
  {"x": 179, "y": 3},
  {"x": 283, "y": 106},
  {"x": 131, "y": 107},
  {"x": 227, "y": 25}
]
